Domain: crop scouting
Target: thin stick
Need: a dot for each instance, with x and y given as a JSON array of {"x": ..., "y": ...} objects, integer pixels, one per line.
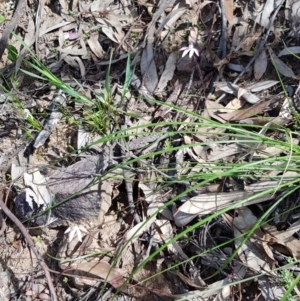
[
  {"x": 223, "y": 39},
  {"x": 30, "y": 243},
  {"x": 11, "y": 26},
  {"x": 129, "y": 188}
]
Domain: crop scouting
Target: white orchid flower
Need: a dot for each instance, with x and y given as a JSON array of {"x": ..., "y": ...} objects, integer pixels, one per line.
[
  {"x": 189, "y": 49},
  {"x": 76, "y": 229}
]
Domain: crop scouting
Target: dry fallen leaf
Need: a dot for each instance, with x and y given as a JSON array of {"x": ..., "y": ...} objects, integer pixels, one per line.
[
  {"x": 237, "y": 91},
  {"x": 148, "y": 68},
  {"x": 103, "y": 270},
  {"x": 280, "y": 65},
  {"x": 261, "y": 86},
  {"x": 284, "y": 238},
  {"x": 292, "y": 13},
  {"x": 266, "y": 13},
  {"x": 211, "y": 202},
  {"x": 289, "y": 51},
  {"x": 239, "y": 35},
  {"x": 251, "y": 252},
  {"x": 260, "y": 65},
  {"x": 246, "y": 113},
  {"x": 254, "y": 253},
  {"x": 167, "y": 75},
  {"x": 213, "y": 108},
  {"x": 95, "y": 46},
  {"x": 229, "y": 8},
  {"x": 170, "y": 20},
  {"x": 155, "y": 203}
]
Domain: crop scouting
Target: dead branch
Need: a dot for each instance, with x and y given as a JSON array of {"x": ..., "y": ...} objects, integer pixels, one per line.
[
  {"x": 11, "y": 26},
  {"x": 30, "y": 243}
]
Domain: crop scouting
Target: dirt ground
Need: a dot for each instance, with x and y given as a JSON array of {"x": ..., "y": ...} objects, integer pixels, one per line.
[{"x": 84, "y": 152}]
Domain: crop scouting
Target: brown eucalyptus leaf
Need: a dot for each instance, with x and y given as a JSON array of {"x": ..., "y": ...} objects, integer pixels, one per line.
[
  {"x": 246, "y": 113},
  {"x": 229, "y": 8},
  {"x": 109, "y": 31},
  {"x": 169, "y": 21},
  {"x": 95, "y": 46},
  {"x": 213, "y": 108},
  {"x": 284, "y": 238},
  {"x": 103, "y": 270},
  {"x": 30, "y": 35},
  {"x": 81, "y": 66}
]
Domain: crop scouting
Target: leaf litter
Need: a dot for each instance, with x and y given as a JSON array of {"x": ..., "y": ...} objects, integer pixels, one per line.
[{"x": 132, "y": 165}]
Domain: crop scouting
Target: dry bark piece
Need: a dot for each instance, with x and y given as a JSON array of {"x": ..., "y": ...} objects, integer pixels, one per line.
[
  {"x": 54, "y": 118},
  {"x": 72, "y": 186},
  {"x": 72, "y": 183}
]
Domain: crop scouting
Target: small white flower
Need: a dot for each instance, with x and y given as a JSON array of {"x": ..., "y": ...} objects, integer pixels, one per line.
[
  {"x": 190, "y": 49},
  {"x": 27, "y": 114},
  {"x": 76, "y": 229}
]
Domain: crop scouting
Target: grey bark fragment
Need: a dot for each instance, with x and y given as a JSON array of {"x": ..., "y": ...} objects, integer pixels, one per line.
[{"x": 72, "y": 183}]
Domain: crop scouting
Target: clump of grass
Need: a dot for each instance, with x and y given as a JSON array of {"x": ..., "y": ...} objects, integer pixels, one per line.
[
  {"x": 99, "y": 114},
  {"x": 286, "y": 278},
  {"x": 102, "y": 113}
]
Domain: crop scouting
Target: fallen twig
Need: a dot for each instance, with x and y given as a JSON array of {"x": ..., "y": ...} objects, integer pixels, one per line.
[
  {"x": 223, "y": 39},
  {"x": 30, "y": 243},
  {"x": 11, "y": 26},
  {"x": 129, "y": 189}
]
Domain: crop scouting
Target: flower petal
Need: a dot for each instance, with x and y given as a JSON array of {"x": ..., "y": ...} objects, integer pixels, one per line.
[
  {"x": 72, "y": 233},
  {"x": 185, "y": 52},
  {"x": 82, "y": 229},
  {"x": 79, "y": 236},
  {"x": 196, "y": 51},
  {"x": 68, "y": 230}
]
